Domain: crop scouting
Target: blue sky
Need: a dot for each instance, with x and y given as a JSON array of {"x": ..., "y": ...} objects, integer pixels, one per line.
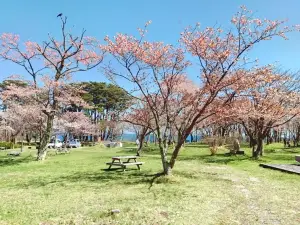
[{"x": 34, "y": 19}]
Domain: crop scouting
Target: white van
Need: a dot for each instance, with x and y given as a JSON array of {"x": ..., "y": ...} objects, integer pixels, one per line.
[
  {"x": 73, "y": 143},
  {"x": 55, "y": 144}
]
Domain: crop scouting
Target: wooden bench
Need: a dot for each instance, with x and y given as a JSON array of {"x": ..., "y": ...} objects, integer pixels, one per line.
[
  {"x": 117, "y": 161},
  {"x": 297, "y": 158}
]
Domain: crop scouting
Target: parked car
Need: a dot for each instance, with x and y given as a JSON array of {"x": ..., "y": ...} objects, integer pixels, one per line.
[
  {"x": 55, "y": 144},
  {"x": 73, "y": 143}
]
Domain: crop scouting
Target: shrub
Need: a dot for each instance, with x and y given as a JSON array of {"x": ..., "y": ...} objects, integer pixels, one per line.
[
  {"x": 86, "y": 143},
  {"x": 9, "y": 145},
  {"x": 33, "y": 144},
  {"x": 213, "y": 149},
  {"x": 150, "y": 148}
]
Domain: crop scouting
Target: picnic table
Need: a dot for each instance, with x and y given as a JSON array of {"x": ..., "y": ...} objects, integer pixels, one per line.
[{"x": 124, "y": 161}]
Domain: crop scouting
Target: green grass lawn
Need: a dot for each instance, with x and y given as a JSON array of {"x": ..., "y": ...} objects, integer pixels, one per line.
[{"x": 75, "y": 189}]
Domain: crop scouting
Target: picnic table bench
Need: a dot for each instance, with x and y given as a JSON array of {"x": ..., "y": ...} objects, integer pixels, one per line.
[
  {"x": 124, "y": 161},
  {"x": 297, "y": 158}
]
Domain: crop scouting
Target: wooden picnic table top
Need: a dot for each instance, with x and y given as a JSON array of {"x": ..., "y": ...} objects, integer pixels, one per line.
[{"x": 125, "y": 157}]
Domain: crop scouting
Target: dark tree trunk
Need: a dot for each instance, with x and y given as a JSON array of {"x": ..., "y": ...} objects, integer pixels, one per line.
[
  {"x": 268, "y": 140},
  {"x": 297, "y": 139},
  {"x": 252, "y": 142},
  {"x": 192, "y": 138},
  {"x": 259, "y": 148},
  {"x": 28, "y": 137},
  {"x": 279, "y": 137},
  {"x": 223, "y": 132},
  {"x": 66, "y": 139}
]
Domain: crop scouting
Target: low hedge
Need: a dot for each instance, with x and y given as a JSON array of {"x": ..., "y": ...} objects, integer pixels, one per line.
[
  {"x": 88, "y": 143},
  {"x": 9, "y": 145}
]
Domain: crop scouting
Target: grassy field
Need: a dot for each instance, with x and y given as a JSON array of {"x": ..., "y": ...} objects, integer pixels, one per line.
[{"x": 75, "y": 189}]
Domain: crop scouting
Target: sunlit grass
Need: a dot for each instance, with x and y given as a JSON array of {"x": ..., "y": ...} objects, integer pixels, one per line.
[{"x": 75, "y": 189}]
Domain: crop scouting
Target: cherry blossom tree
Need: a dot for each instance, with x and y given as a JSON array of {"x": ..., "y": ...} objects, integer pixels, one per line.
[
  {"x": 56, "y": 60},
  {"x": 271, "y": 101},
  {"x": 40, "y": 99},
  {"x": 141, "y": 118},
  {"x": 293, "y": 129},
  {"x": 155, "y": 69},
  {"x": 74, "y": 123},
  {"x": 18, "y": 119}
]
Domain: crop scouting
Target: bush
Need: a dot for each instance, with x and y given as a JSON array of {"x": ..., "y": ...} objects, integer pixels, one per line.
[
  {"x": 150, "y": 148},
  {"x": 9, "y": 145},
  {"x": 33, "y": 144},
  {"x": 85, "y": 143},
  {"x": 213, "y": 150},
  {"x": 128, "y": 144},
  {"x": 28, "y": 144},
  {"x": 88, "y": 143},
  {"x": 214, "y": 141}
]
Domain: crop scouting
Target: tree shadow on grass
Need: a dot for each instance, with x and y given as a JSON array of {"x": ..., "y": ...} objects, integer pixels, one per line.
[
  {"x": 284, "y": 157},
  {"x": 127, "y": 151},
  {"x": 92, "y": 179},
  {"x": 206, "y": 175},
  {"x": 15, "y": 160},
  {"x": 219, "y": 158},
  {"x": 222, "y": 159},
  {"x": 196, "y": 145},
  {"x": 113, "y": 178},
  {"x": 292, "y": 150}
]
